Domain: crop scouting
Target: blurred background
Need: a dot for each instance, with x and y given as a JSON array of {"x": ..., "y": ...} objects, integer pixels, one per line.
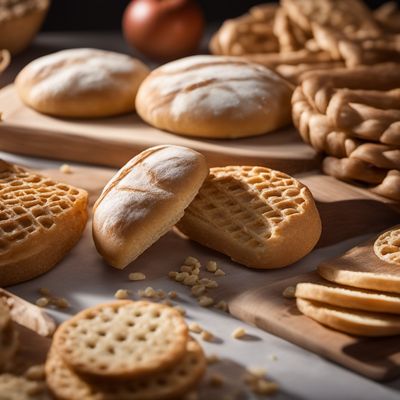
[{"x": 106, "y": 14}]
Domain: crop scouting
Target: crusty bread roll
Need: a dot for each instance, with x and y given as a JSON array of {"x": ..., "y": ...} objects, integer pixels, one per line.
[
  {"x": 215, "y": 97},
  {"x": 40, "y": 221},
  {"x": 144, "y": 200},
  {"x": 82, "y": 83},
  {"x": 259, "y": 217}
]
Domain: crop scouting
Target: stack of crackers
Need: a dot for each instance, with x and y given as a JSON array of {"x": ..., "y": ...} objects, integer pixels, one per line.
[
  {"x": 124, "y": 350},
  {"x": 302, "y": 35},
  {"x": 360, "y": 291},
  {"x": 353, "y": 117}
]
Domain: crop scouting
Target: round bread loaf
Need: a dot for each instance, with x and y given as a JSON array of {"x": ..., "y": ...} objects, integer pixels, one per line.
[
  {"x": 82, "y": 83},
  {"x": 144, "y": 200},
  {"x": 215, "y": 97}
]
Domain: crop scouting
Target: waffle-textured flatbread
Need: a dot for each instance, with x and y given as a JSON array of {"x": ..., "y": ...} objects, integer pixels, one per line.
[
  {"x": 387, "y": 246},
  {"x": 354, "y": 322},
  {"x": 347, "y": 297},
  {"x": 257, "y": 216},
  {"x": 123, "y": 339},
  {"x": 40, "y": 221},
  {"x": 360, "y": 267},
  {"x": 171, "y": 384}
]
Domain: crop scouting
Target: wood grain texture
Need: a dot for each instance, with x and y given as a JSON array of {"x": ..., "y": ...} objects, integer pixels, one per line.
[
  {"x": 265, "y": 307},
  {"x": 113, "y": 141}
]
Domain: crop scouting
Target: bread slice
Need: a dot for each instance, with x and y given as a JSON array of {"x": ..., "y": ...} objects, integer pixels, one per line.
[
  {"x": 347, "y": 297},
  {"x": 40, "y": 221},
  {"x": 144, "y": 200},
  {"x": 259, "y": 217},
  {"x": 360, "y": 267},
  {"x": 350, "y": 321}
]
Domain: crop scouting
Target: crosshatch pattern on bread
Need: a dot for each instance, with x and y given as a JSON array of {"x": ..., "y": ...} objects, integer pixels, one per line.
[
  {"x": 123, "y": 339},
  {"x": 259, "y": 217},
  {"x": 40, "y": 220},
  {"x": 173, "y": 383},
  {"x": 387, "y": 246}
]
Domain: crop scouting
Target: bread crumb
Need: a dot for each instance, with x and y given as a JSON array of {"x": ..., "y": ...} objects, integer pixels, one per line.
[
  {"x": 66, "y": 169},
  {"x": 222, "y": 305},
  {"x": 190, "y": 280},
  {"x": 205, "y": 301},
  {"x": 213, "y": 358},
  {"x": 181, "y": 310},
  {"x": 121, "y": 294},
  {"x": 137, "y": 276},
  {"x": 195, "y": 327},
  {"x": 59, "y": 302},
  {"x": 265, "y": 387},
  {"x": 42, "y": 302},
  {"x": 186, "y": 268},
  {"x": 258, "y": 372},
  {"x": 192, "y": 261},
  {"x": 289, "y": 292},
  {"x": 149, "y": 292},
  {"x": 180, "y": 276},
  {"x": 207, "y": 336},
  {"x": 172, "y": 274},
  {"x": 198, "y": 290},
  {"x": 219, "y": 272},
  {"x": 172, "y": 294},
  {"x": 196, "y": 271},
  {"x": 35, "y": 373},
  {"x": 216, "y": 380},
  {"x": 211, "y": 266},
  {"x": 44, "y": 292},
  {"x": 238, "y": 333},
  {"x": 160, "y": 294}
]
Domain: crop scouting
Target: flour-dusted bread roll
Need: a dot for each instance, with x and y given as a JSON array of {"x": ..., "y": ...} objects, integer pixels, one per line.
[
  {"x": 84, "y": 83},
  {"x": 215, "y": 97},
  {"x": 144, "y": 200}
]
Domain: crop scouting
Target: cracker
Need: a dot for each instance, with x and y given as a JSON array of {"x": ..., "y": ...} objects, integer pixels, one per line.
[
  {"x": 257, "y": 216},
  {"x": 387, "y": 246},
  {"x": 122, "y": 339},
  {"x": 14, "y": 387},
  {"x": 347, "y": 297},
  {"x": 171, "y": 384},
  {"x": 350, "y": 321}
]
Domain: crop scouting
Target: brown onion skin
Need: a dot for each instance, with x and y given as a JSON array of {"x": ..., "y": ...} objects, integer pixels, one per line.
[{"x": 163, "y": 30}]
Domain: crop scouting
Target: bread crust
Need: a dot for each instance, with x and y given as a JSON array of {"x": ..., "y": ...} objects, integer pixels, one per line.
[
  {"x": 215, "y": 97},
  {"x": 144, "y": 200},
  {"x": 81, "y": 83}
]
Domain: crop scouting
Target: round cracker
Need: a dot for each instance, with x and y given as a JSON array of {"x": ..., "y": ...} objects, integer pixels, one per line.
[
  {"x": 347, "y": 297},
  {"x": 350, "y": 321},
  {"x": 14, "y": 387},
  {"x": 171, "y": 384},
  {"x": 387, "y": 246},
  {"x": 123, "y": 339}
]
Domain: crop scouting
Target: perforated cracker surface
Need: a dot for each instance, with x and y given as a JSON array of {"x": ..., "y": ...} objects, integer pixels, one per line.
[
  {"x": 387, "y": 246},
  {"x": 123, "y": 339},
  {"x": 250, "y": 203},
  {"x": 30, "y": 204},
  {"x": 165, "y": 385}
]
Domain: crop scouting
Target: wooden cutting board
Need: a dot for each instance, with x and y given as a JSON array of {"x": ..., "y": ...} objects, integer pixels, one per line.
[
  {"x": 113, "y": 141},
  {"x": 376, "y": 358},
  {"x": 346, "y": 212}
]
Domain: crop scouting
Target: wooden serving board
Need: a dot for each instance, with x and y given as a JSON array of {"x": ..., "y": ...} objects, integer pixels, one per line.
[
  {"x": 346, "y": 212},
  {"x": 113, "y": 141},
  {"x": 376, "y": 358}
]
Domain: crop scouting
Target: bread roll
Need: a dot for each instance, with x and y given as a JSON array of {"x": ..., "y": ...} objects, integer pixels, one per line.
[
  {"x": 215, "y": 97},
  {"x": 144, "y": 200},
  {"x": 84, "y": 83}
]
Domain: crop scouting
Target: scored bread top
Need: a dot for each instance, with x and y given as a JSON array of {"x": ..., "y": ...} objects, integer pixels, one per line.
[
  {"x": 31, "y": 206},
  {"x": 214, "y": 96},
  {"x": 258, "y": 216},
  {"x": 144, "y": 200}
]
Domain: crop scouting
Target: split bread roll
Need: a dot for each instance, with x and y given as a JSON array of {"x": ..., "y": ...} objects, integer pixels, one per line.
[
  {"x": 347, "y": 297},
  {"x": 259, "y": 217},
  {"x": 353, "y": 322},
  {"x": 215, "y": 97},
  {"x": 144, "y": 200},
  {"x": 40, "y": 221},
  {"x": 361, "y": 267},
  {"x": 84, "y": 83}
]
